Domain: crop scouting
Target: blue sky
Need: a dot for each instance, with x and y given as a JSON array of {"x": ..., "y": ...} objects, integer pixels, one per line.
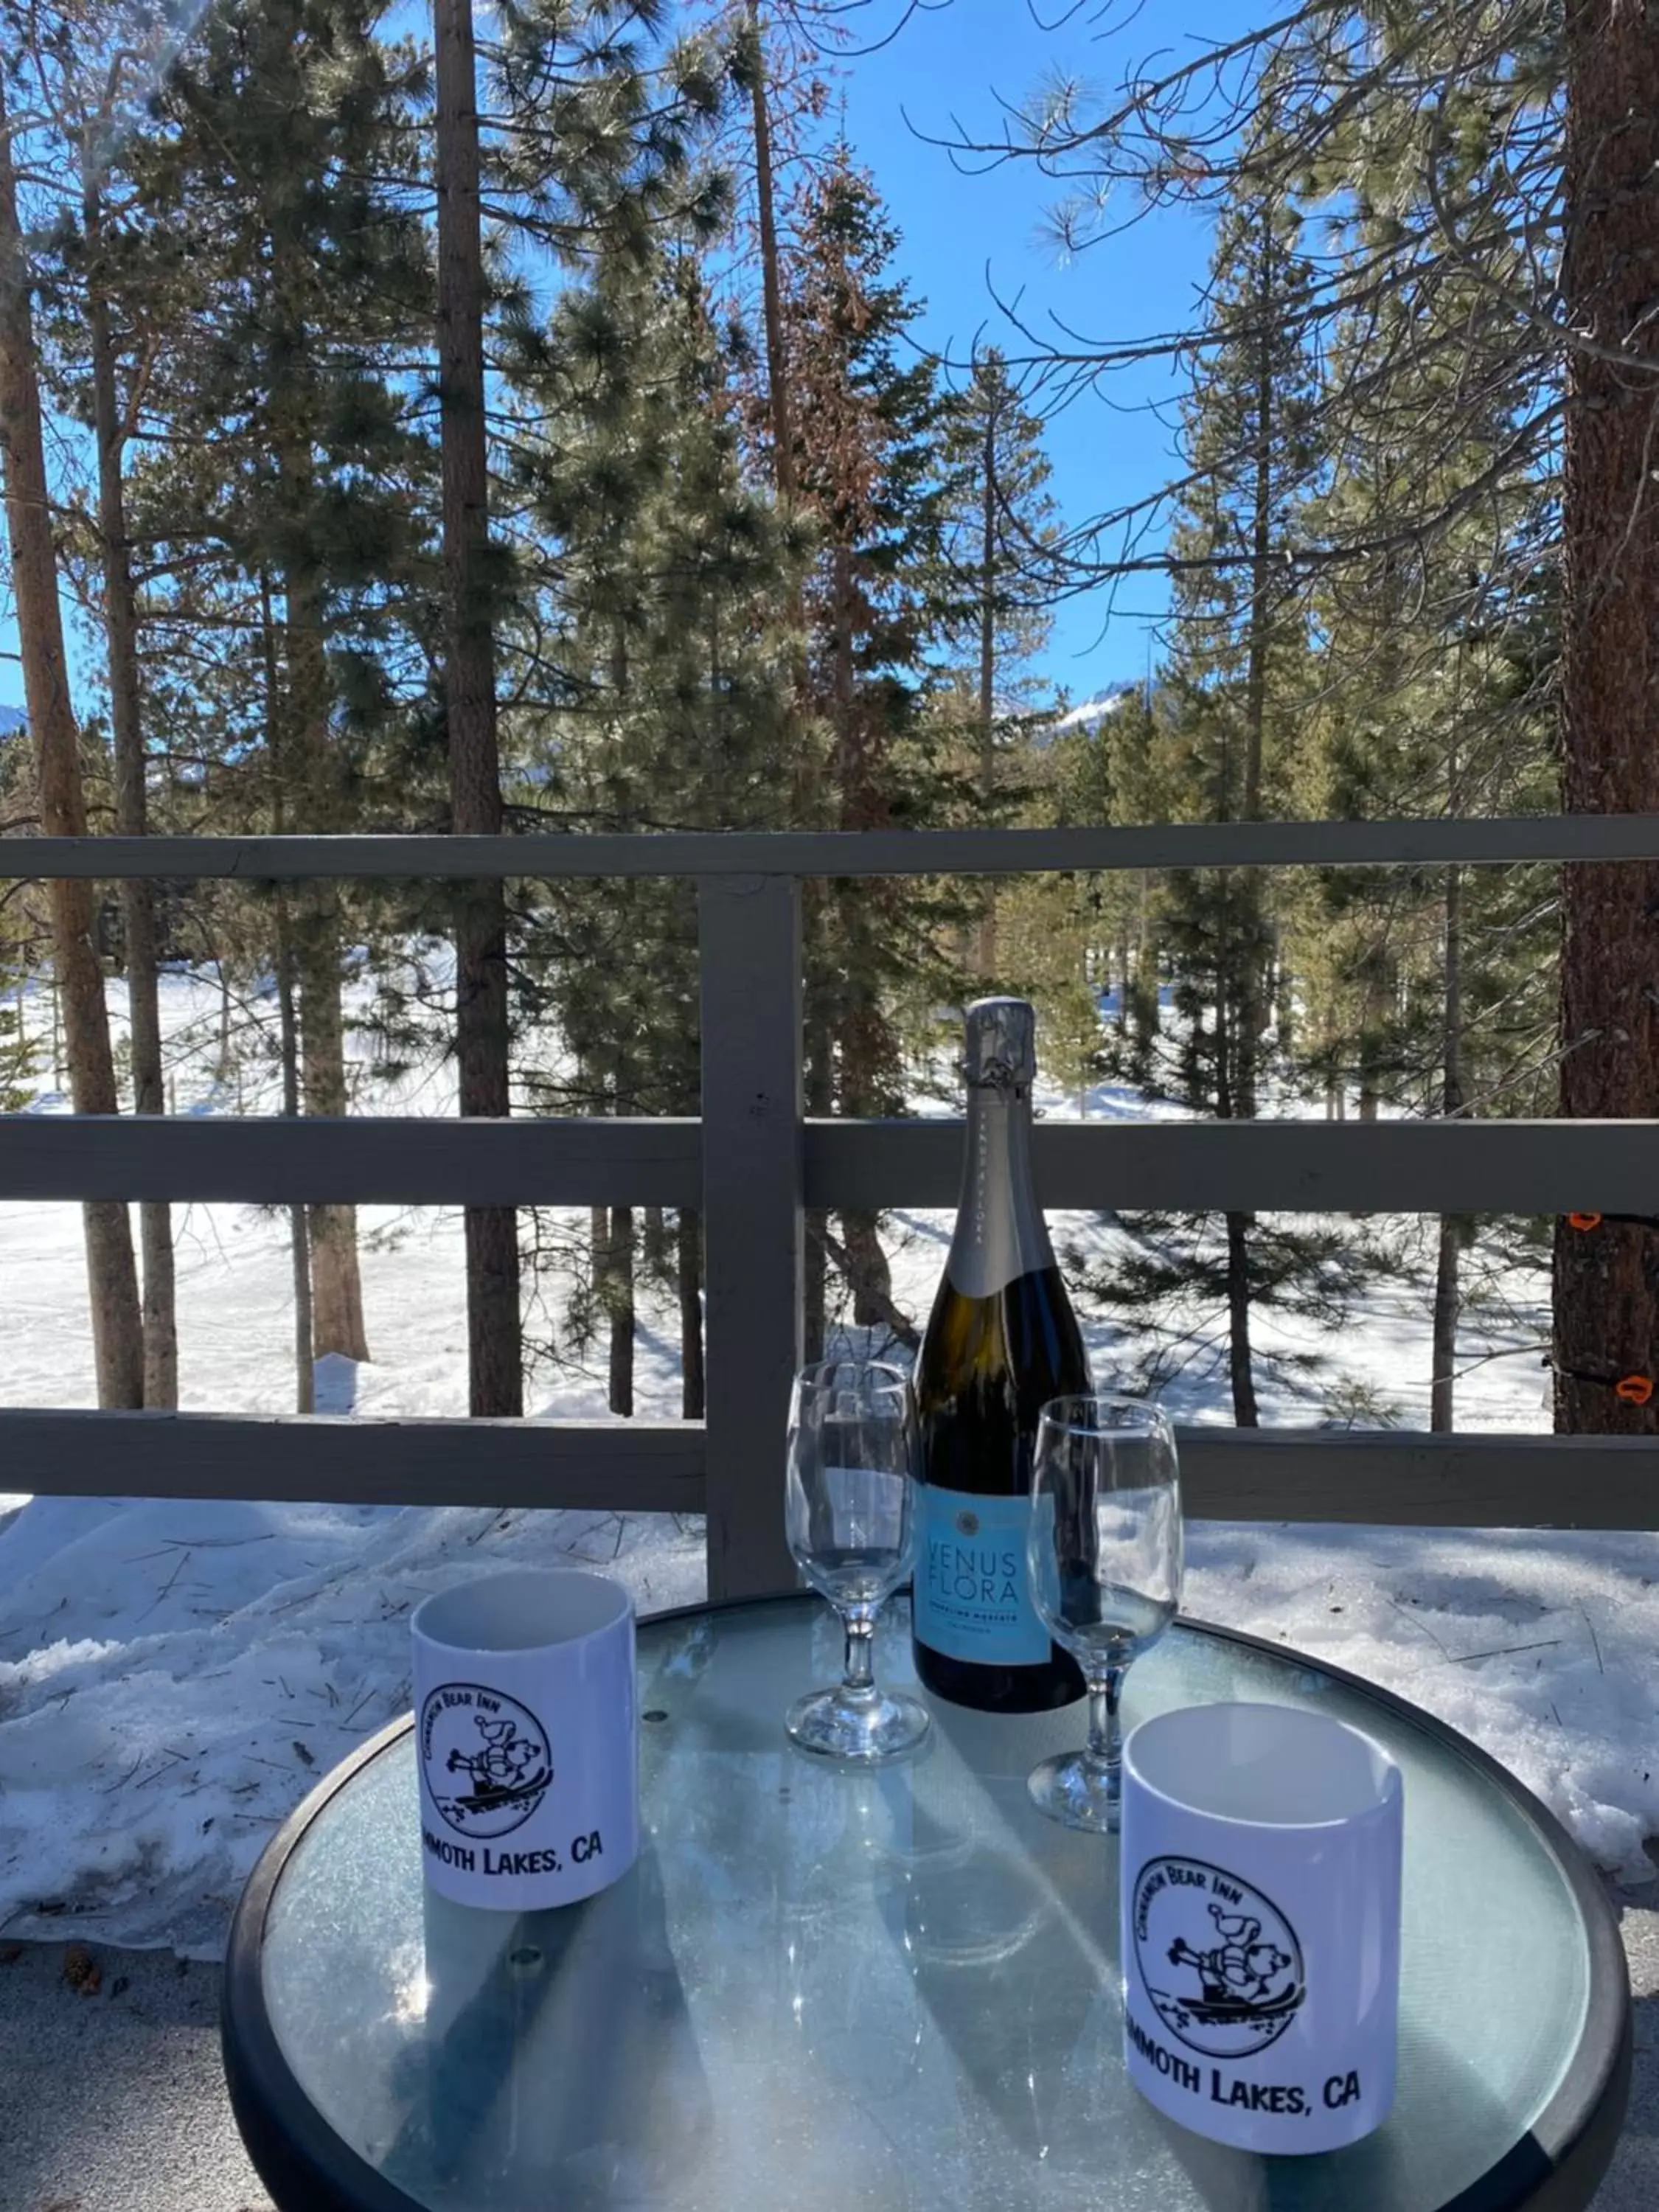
[{"x": 969, "y": 237}]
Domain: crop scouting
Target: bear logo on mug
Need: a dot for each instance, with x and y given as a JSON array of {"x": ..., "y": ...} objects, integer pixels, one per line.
[
  {"x": 485, "y": 1757},
  {"x": 1219, "y": 1961}
]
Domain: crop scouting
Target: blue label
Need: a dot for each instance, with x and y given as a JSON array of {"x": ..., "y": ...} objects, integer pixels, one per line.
[{"x": 972, "y": 1592}]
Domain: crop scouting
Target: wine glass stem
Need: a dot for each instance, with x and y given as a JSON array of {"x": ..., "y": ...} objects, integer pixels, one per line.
[
  {"x": 858, "y": 1673},
  {"x": 1105, "y": 1726}
]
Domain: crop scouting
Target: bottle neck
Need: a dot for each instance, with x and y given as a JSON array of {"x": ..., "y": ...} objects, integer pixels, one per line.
[{"x": 1000, "y": 1234}]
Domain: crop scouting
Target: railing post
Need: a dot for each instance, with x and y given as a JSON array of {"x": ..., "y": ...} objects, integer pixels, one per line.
[{"x": 749, "y": 928}]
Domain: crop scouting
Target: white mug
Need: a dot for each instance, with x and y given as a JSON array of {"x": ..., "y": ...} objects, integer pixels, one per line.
[
  {"x": 526, "y": 1738},
  {"x": 1261, "y": 1924}
]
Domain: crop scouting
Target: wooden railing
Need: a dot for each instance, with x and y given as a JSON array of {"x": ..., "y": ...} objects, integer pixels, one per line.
[{"x": 751, "y": 1163}]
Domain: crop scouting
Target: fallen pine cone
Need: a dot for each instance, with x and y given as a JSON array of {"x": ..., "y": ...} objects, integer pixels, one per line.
[{"x": 82, "y": 1970}]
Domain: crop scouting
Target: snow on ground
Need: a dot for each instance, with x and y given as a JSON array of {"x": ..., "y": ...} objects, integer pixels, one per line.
[
  {"x": 174, "y": 1676},
  {"x": 1538, "y": 1644}
]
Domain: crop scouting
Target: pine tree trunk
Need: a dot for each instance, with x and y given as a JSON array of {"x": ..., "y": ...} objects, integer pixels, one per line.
[
  {"x": 1284, "y": 1002},
  {"x": 689, "y": 1249},
  {"x": 858, "y": 1031},
  {"x": 1441, "y": 1387},
  {"x": 337, "y": 1289},
  {"x": 132, "y": 820},
  {"x": 1124, "y": 1022},
  {"x": 987, "y": 641},
  {"x": 620, "y": 1273},
  {"x": 1147, "y": 1014},
  {"x": 872, "y": 1278},
  {"x": 1240, "y": 1368},
  {"x": 1370, "y": 1053},
  {"x": 1607, "y": 1284},
  {"x": 653, "y": 1243},
  {"x": 222, "y": 1071},
  {"x": 1251, "y": 980},
  {"x": 494, "y": 1324},
  {"x": 336, "y": 1292},
  {"x": 599, "y": 1246},
  {"x": 118, "y": 1335},
  {"x": 305, "y": 1354},
  {"x": 305, "y": 1373},
  {"x": 780, "y": 398},
  {"x": 1239, "y": 980}
]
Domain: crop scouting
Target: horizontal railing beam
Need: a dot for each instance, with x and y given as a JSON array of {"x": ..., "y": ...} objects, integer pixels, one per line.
[
  {"x": 1398, "y": 1479},
  {"x": 1337, "y": 1167},
  {"x": 368, "y": 1161},
  {"x": 1293, "y": 1167},
  {"x": 1390, "y": 1478},
  {"x": 640, "y": 1466},
  {"x": 846, "y": 853}
]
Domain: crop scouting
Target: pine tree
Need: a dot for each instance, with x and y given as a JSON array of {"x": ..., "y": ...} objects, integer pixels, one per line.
[
  {"x": 590, "y": 146},
  {"x": 117, "y": 1326},
  {"x": 88, "y": 66},
  {"x": 874, "y": 472},
  {"x": 1606, "y": 1288},
  {"x": 998, "y": 539},
  {"x": 494, "y": 1356},
  {"x": 1233, "y": 686},
  {"x": 19, "y": 1054},
  {"x": 1501, "y": 164},
  {"x": 307, "y": 272},
  {"x": 665, "y": 593},
  {"x": 1430, "y": 990}
]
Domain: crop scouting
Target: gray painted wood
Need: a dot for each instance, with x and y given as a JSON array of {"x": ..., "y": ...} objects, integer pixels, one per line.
[
  {"x": 365, "y": 1161},
  {"x": 1391, "y": 1479},
  {"x": 632, "y": 1466},
  {"x": 838, "y": 852},
  {"x": 750, "y": 928},
  {"x": 1412, "y": 1480},
  {"x": 1346, "y": 1167},
  {"x": 1338, "y": 1167},
  {"x": 759, "y": 1164}
]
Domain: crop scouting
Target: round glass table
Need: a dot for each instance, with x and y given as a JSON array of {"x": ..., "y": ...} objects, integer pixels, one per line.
[{"x": 821, "y": 1988}]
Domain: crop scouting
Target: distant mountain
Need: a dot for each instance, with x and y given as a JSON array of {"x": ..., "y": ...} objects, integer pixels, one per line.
[
  {"x": 1090, "y": 713},
  {"x": 12, "y": 718}
]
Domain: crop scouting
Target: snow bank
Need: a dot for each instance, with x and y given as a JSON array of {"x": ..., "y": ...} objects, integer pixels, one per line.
[
  {"x": 173, "y": 1677},
  {"x": 1538, "y": 1644}
]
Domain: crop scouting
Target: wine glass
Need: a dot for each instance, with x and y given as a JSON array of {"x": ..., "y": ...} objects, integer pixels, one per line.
[
  {"x": 848, "y": 1512},
  {"x": 1105, "y": 1553}
]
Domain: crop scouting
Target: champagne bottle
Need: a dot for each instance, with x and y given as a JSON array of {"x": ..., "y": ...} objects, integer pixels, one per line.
[{"x": 1001, "y": 1338}]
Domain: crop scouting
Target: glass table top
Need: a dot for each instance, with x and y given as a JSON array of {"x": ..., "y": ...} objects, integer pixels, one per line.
[{"x": 821, "y": 1988}]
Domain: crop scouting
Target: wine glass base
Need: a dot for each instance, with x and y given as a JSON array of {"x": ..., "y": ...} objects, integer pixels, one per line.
[
  {"x": 864, "y": 1729},
  {"x": 1078, "y": 1791}
]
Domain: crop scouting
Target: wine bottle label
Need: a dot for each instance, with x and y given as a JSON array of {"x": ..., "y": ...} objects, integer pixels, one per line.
[{"x": 971, "y": 1596}]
